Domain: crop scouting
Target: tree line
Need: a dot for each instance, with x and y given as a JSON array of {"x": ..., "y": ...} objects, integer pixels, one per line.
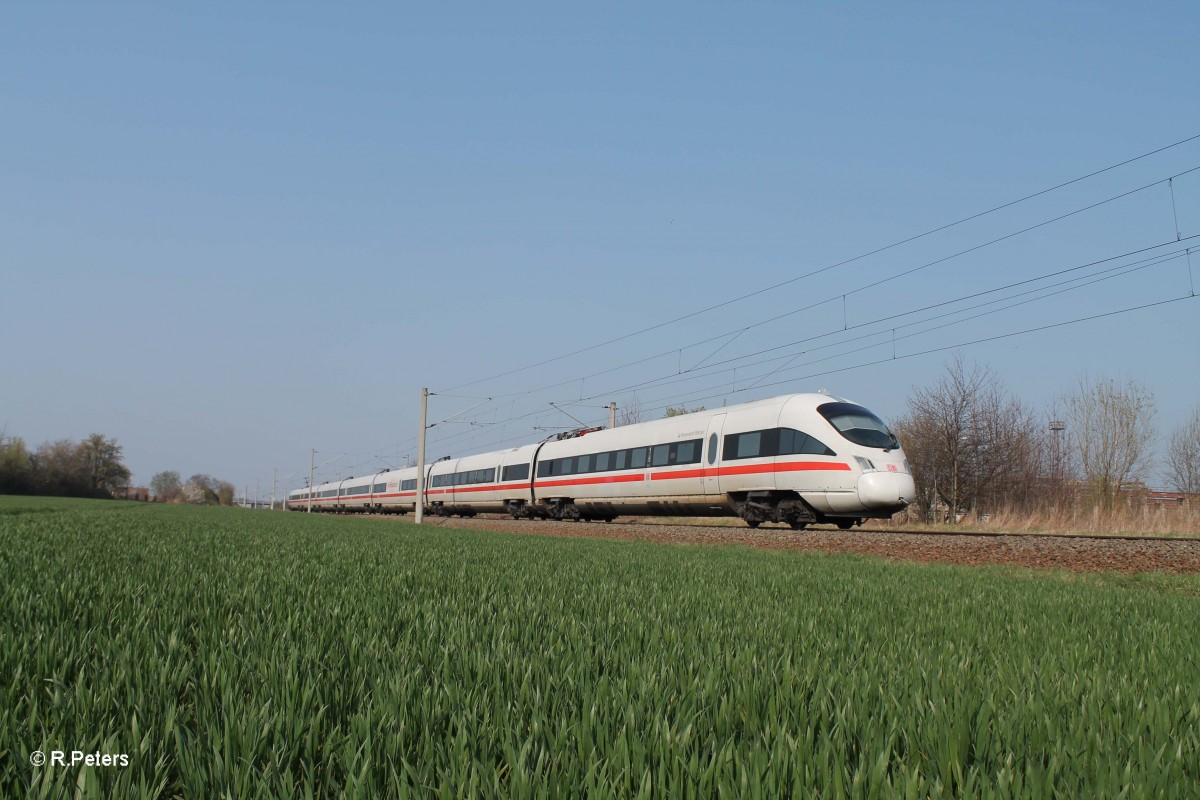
[
  {"x": 93, "y": 467},
  {"x": 974, "y": 448},
  {"x": 168, "y": 487}
]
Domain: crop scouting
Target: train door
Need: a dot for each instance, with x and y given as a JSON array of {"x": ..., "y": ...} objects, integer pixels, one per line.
[{"x": 712, "y": 455}]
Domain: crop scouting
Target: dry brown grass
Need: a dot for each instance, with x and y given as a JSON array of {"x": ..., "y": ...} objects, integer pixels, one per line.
[
  {"x": 1068, "y": 519},
  {"x": 1064, "y": 519}
]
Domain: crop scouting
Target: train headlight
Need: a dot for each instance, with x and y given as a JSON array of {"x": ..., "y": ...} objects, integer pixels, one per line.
[{"x": 866, "y": 464}]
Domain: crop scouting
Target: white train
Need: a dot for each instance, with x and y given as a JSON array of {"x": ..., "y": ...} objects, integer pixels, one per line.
[{"x": 799, "y": 459}]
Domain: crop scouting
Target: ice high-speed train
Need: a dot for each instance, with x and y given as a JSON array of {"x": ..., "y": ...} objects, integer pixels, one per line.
[{"x": 799, "y": 459}]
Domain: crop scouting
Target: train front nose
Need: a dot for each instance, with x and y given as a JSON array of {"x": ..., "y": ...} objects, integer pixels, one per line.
[{"x": 886, "y": 490}]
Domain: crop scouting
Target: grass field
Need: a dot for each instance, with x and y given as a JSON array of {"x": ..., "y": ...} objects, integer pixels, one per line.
[{"x": 245, "y": 654}]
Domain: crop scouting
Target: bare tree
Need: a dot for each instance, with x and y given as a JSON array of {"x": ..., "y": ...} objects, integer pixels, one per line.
[
  {"x": 1183, "y": 456},
  {"x": 1112, "y": 429},
  {"x": 971, "y": 446},
  {"x": 631, "y": 414},
  {"x": 225, "y": 493}
]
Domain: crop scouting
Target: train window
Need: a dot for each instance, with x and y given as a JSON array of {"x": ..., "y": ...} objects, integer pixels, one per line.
[
  {"x": 586, "y": 464},
  {"x": 660, "y": 455},
  {"x": 380, "y": 488},
  {"x": 565, "y": 466},
  {"x": 749, "y": 445},
  {"x": 602, "y": 462},
  {"x": 712, "y": 449},
  {"x": 689, "y": 452},
  {"x": 409, "y": 485},
  {"x": 637, "y": 457},
  {"x": 793, "y": 442},
  {"x": 859, "y": 425},
  {"x": 812, "y": 446},
  {"x": 516, "y": 472}
]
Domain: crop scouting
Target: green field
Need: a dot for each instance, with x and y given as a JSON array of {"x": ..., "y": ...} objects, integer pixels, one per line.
[{"x": 245, "y": 654}]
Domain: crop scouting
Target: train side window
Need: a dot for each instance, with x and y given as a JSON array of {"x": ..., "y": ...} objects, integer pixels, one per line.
[
  {"x": 660, "y": 455},
  {"x": 689, "y": 452},
  {"x": 749, "y": 445},
  {"x": 516, "y": 472},
  {"x": 811, "y": 446},
  {"x": 583, "y": 464},
  {"x": 565, "y": 466},
  {"x": 621, "y": 460},
  {"x": 712, "y": 449},
  {"x": 602, "y": 462},
  {"x": 637, "y": 457}
]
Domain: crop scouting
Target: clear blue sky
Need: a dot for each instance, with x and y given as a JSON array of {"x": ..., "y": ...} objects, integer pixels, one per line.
[{"x": 233, "y": 232}]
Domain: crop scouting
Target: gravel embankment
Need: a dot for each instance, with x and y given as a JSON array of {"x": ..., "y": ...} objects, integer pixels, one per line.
[{"x": 1080, "y": 554}]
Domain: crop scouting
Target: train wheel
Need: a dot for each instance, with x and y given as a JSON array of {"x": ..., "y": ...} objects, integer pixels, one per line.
[
  {"x": 845, "y": 524},
  {"x": 753, "y": 523},
  {"x": 799, "y": 526}
]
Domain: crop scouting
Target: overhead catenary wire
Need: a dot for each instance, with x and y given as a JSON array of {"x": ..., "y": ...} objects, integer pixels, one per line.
[
  {"x": 876, "y": 362},
  {"x": 757, "y": 380},
  {"x": 1079, "y": 282},
  {"x": 871, "y": 285},
  {"x": 836, "y": 265},
  {"x": 669, "y": 378}
]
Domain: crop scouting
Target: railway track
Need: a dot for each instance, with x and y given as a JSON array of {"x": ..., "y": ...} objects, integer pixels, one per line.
[
  {"x": 1079, "y": 553},
  {"x": 768, "y": 527}
]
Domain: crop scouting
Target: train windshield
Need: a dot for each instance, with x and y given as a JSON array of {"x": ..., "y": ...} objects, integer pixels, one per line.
[{"x": 859, "y": 425}]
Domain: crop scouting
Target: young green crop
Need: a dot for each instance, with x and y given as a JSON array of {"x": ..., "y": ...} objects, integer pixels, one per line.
[{"x": 240, "y": 654}]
